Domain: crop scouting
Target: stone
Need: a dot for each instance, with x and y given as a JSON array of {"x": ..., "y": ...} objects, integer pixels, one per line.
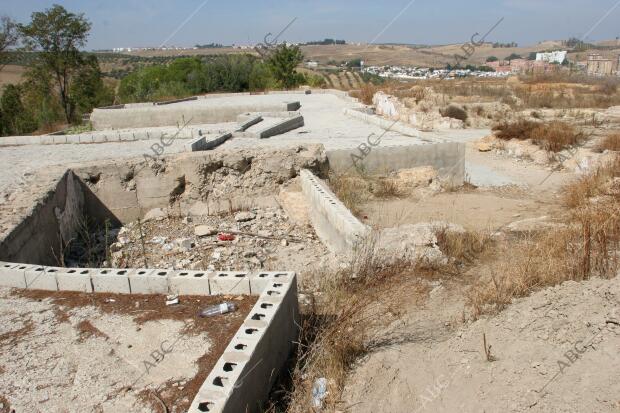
[
  {"x": 245, "y": 216},
  {"x": 155, "y": 214},
  {"x": 185, "y": 243},
  {"x": 204, "y": 231}
]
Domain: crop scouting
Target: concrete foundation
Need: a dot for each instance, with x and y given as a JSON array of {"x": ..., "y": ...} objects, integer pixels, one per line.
[
  {"x": 215, "y": 110},
  {"x": 206, "y": 143}
]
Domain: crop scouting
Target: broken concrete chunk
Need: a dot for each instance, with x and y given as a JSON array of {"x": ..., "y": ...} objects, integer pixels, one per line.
[
  {"x": 204, "y": 231},
  {"x": 185, "y": 243},
  {"x": 156, "y": 214},
  {"x": 245, "y": 216}
]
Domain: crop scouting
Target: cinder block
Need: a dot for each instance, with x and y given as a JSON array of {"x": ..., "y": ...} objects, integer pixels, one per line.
[
  {"x": 59, "y": 139},
  {"x": 41, "y": 278},
  {"x": 260, "y": 280},
  {"x": 86, "y": 138},
  {"x": 75, "y": 279},
  {"x": 143, "y": 281},
  {"x": 12, "y": 275},
  {"x": 229, "y": 283},
  {"x": 205, "y": 143},
  {"x": 190, "y": 283},
  {"x": 293, "y": 106},
  {"x": 111, "y": 281}
]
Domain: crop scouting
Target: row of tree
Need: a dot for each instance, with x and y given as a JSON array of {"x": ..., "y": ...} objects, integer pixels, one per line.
[{"x": 227, "y": 73}]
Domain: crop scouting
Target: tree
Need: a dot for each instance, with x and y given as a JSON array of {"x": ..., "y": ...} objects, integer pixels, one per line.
[
  {"x": 492, "y": 59},
  {"x": 513, "y": 56},
  {"x": 283, "y": 62},
  {"x": 15, "y": 119},
  {"x": 9, "y": 36},
  {"x": 58, "y": 35},
  {"x": 88, "y": 90}
]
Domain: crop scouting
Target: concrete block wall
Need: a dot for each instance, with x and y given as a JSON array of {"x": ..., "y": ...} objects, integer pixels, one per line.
[
  {"x": 200, "y": 112},
  {"x": 243, "y": 376},
  {"x": 447, "y": 158},
  {"x": 335, "y": 225},
  {"x": 241, "y": 379}
]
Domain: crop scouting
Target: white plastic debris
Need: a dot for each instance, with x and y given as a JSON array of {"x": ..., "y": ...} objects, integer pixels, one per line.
[
  {"x": 319, "y": 392},
  {"x": 172, "y": 299}
]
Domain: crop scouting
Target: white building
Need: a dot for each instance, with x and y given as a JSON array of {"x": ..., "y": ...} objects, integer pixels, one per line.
[{"x": 552, "y": 57}]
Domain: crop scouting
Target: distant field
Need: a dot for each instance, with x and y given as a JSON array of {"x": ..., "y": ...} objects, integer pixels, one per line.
[
  {"x": 379, "y": 55},
  {"x": 11, "y": 74}
]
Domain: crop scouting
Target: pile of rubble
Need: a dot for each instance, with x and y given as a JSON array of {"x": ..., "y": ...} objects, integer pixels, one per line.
[{"x": 244, "y": 240}]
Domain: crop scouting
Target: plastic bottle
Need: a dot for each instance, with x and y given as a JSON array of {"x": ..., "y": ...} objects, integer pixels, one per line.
[{"x": 218, "y": 309}]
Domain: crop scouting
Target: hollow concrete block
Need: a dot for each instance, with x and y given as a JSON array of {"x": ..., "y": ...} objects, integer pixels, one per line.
[
  {"x": 260, "y": 280},
  {"x": 11, "y": 275},
  {"x": 229, "y": 283},
  {"x": 41, "y": 278},
  {"x": 143, "y": 281},
  {"x": 75, "y": 279},
  {"x": 111, "y": 281},
  {"x": 190, "y": 283}
]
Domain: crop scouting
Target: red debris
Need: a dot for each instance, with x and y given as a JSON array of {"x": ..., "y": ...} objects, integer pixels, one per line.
[{"x": 226, "y": 237}]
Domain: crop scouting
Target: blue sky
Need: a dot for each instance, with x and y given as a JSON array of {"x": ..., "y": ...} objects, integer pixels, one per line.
[{"x": 122, "y": 23}]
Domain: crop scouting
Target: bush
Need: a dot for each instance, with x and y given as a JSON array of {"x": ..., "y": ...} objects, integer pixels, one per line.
[
  {"x": 609, "y": 143},
  {"x": 554, "y": 136},
  {"x": 454, "y": 112}
]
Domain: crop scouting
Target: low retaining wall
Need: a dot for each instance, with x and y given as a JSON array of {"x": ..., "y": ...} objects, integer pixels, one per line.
[
  {"x": 447, "y": 158},
  {"x": 197, "y": 112},
  {"x": 241, "y": 379},
  {"x": 335, "y": 225}
]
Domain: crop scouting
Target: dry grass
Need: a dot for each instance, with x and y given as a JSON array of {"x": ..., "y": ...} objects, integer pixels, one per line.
[
  {"x": 366, "y": 93},
  {"x": 462, "y": 247},
  {"x": 585, "y": 245},
  {"x": 554, "y": 136},
  {"x": 355, "y": 189},
  {"x": 353, "y": 313},
  {"x": 600, "y": 182},
  {"x": 609, "y": 143}
]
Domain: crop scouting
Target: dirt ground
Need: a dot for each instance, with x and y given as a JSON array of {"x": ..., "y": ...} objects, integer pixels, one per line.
[
  {"x": 73, "y": 352},
  {"x": 556, "y": 351}
]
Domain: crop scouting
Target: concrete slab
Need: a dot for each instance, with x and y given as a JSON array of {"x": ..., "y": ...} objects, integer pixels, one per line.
[
  {"x": 111, "y": 281},
  {"x": 75, "y": 279},
  {"x": 190, "y": 283},
  {"x": 229, "y": 283},
  {"x": 143, "y": 281}
]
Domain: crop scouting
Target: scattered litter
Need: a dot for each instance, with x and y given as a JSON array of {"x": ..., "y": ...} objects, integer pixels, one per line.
[
  {"x": 226, "y": 237},
  {"x": 172, "y": 299},
  {"x": 319, "y": 392},
  {"x": 110, "y": 300},
  {"x": 218, "y": 309}
]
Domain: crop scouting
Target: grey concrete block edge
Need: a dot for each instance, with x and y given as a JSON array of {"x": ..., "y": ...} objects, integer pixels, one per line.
[
  {"x": 336, "y": 226},
  {"x": 243, "y": 376}
]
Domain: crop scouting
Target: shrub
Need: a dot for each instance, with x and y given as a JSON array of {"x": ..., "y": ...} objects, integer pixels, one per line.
[
  {"x": 609, "y": 143},
  {"x": 554, "y": 136},
  {"x": 454, "y": 112}
]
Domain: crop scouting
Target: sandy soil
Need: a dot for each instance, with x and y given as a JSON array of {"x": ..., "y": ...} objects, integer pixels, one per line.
[
  {"x": 107, "y": 353},
  {"x": 556, "y": 351}
]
